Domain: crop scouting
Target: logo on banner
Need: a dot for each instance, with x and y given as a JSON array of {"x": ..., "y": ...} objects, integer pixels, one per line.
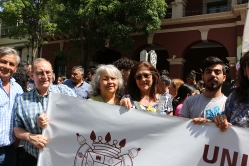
[{"x": 102, "y": 152}]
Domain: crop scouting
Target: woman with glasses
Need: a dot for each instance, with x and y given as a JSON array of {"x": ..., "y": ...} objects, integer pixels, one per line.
[
  {"x": 237, "y": 104},
  {"x": 144, "y": 91},
  {"x": 107, "y": 85}
]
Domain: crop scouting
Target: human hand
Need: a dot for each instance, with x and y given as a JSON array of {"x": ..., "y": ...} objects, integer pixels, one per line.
[
  {"x": 42, "y": 120},
  {"x": 200, "y": 120},
  {"x": 126, "y": 102},
  {"x": 37, "y": 140},
  {"x": 221, "y": 122}
]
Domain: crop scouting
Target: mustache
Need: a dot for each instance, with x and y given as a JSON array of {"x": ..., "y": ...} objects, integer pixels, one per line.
[{"x": 213, "y": 79}]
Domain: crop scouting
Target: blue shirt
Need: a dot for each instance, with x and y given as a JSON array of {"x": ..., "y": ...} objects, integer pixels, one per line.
[
  {"x": 7, "y": 108},
  {"x": 29, "y": 107},
  {"x": 81, "y": 91}
]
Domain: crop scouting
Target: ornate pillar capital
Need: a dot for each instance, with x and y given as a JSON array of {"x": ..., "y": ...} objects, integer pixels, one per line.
[{"x": 176, "y": 61}]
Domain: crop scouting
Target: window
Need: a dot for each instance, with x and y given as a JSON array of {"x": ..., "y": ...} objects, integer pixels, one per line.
[
  {"x": 60, "y": 66},
  {"x": 4, "y": 30},
  {"x": 216, "y": 6}
]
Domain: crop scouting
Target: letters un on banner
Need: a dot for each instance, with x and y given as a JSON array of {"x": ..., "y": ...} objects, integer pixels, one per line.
[{"x": 89, "y": 133}]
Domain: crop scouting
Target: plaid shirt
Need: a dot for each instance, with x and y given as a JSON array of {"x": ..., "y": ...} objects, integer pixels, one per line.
[
  {"x": 7, "y": 112},
  {"x": 29, "y": 107}
]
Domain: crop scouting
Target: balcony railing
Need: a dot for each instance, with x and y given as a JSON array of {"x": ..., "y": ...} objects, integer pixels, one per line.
[{"x": 193, "y": 8}]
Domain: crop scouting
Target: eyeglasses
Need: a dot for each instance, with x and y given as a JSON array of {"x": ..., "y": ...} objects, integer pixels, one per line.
[
  {"x": 41, "y": 73},
  {"x": 140, "y": 76}
]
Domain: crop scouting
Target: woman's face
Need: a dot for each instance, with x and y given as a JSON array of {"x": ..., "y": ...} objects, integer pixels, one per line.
[
  {"x": 108, "y": 83},
  {"x": 172, "y": 89},
  {"x": 59, "y": 80},
  {"x": 144, "y": 79}
]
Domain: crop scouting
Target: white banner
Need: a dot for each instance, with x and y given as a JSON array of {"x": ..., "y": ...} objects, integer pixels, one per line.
[
  {"x": 89, "y": 133},
  {"x": 245, "y": 42}
]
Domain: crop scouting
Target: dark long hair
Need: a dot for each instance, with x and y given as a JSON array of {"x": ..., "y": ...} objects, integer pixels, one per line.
[
  {"x": 242, "y": 82},
  {"x": 182, "y": 93},
  {"x": 132, "y": 87}
]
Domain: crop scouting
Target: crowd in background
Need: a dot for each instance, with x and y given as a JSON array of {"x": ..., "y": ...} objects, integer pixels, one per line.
[{"x": 127, "y": 83}]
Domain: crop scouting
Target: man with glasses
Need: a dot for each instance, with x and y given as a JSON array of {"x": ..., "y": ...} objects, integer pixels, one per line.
[
  {"x": 31, "y": 105},
  {"x": 76, "y": 82},
  {"x": 9, "y": 90},
  {"x": 204, "y": 107}
]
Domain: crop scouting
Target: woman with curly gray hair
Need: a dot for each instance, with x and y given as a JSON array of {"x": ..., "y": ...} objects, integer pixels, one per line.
[{"x": 107, "y": 85}]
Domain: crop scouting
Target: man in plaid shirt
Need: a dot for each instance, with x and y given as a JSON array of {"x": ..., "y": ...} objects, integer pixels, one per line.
[
  {"x": 9, "y": 90},
  {"x": 31, "y": 105}
]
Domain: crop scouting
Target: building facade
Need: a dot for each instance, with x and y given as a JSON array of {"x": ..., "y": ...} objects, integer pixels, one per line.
[{"x": 191, "y": 31}]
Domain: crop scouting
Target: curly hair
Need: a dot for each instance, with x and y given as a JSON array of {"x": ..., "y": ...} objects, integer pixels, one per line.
[
  {"x": 113, "y": 71},
  {"x": 132, "y": 87},
  {"x": 242, "y": 82},
  {"x": 123, "y": 63},
  {"x": 22, "y": 77}
]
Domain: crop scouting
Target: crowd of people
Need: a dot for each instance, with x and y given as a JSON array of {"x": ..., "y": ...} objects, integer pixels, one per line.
[{"x": 25, "y": 89}]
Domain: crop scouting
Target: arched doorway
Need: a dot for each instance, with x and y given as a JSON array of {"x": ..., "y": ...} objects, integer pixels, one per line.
[
  {"x": 162, "y": 55},
  {"x": 196, "y": 53}
]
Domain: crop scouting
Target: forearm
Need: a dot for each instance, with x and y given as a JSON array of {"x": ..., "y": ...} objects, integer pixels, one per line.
[{"x": 21, "y": 133}]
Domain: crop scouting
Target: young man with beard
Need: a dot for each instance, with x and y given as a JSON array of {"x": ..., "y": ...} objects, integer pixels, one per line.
[{"x": 211, "y": 103}]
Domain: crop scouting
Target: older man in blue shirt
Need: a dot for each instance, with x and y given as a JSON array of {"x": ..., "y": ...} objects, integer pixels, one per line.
[
  {"x": 9, "y": 90},
  {"x": 31, "y": 105},
  {"x": 80, "y": 87}
]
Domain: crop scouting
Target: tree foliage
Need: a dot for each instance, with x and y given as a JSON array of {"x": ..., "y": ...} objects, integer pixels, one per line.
[
  {"x": 28, "y": 19},
  {"x": 90, "y": 24}
]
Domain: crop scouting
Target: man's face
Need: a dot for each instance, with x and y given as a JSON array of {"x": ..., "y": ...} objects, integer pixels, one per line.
[
  {"x": 125, "y": 74},
  {"x": 42, "y": 75},
  {"x": 213, "y": 77},
  {"x": 8, "y": 65},
  {"x": 76, "y": 76},
  {"x": 89, "y": 75}
]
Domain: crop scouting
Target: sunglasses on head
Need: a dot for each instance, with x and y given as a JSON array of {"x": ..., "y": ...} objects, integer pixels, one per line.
[{"x": 140, "y": 76}]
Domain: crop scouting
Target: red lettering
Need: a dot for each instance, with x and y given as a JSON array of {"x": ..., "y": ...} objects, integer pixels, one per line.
[
  {"x": 244, "y": 160},
  {"x": 215, "y": 155},
  {"x": 225, "y": 154}
]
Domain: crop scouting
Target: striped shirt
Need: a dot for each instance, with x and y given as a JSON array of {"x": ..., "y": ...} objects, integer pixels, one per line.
[
  {"x": 29, "y": 107},
  {"x": 7, "y": 108}
]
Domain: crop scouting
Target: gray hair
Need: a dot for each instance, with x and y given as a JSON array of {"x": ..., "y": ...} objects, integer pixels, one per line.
[
  {"x": 113, "y": 71},
  {"x": 38, "y": 60},
  {"x": 8, "y": 50},
  {"x": 80, "y": 68}
]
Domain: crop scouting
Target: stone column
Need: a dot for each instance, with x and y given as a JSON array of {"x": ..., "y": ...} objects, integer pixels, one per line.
[
  {"x": 176, "y": 67},
  {"x": 232, "y": 70},
  {"x": 178, "y": 8},
  {"x": 234, "y": 2}
]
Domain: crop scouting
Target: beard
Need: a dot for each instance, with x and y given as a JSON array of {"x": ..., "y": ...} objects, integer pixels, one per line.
[{"x": 212, "y": 86}]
